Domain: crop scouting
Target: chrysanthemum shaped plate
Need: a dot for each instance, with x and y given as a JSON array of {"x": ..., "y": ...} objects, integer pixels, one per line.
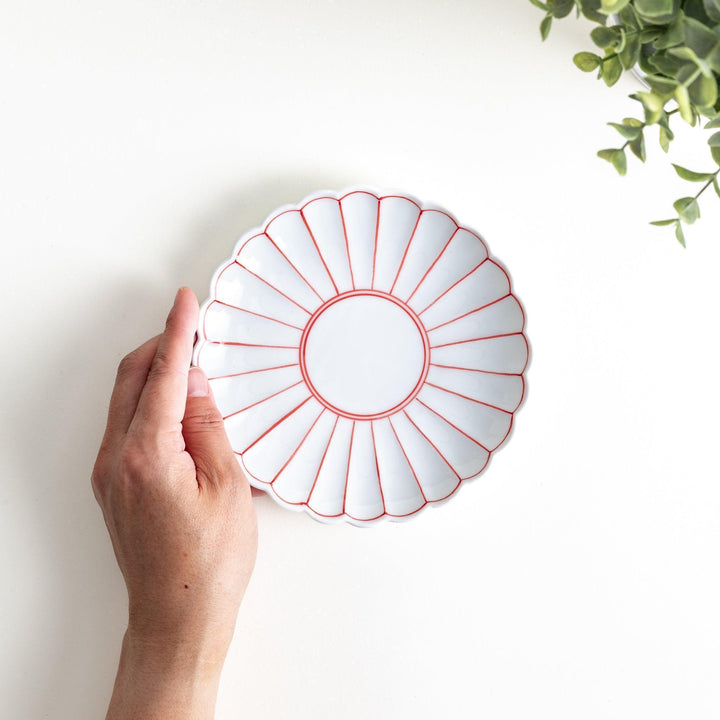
[{"x": 366, "y": 352}]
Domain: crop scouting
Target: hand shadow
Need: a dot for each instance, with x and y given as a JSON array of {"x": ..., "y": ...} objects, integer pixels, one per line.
[{"x": 64, "y": 658}]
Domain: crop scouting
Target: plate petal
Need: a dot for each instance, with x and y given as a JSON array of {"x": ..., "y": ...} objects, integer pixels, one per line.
[
  {"x": 295, "y": 481},
  {"x": 479, "y": 286},
  {"x": 466, "y": 456},
  {"x": 401, "y": 489},
  {"x": 484, "y": 424},
  {"x": 363, "y": 497},
  {"x": 324, "y": 223},
  {"x": 432, "y": 235},
  {"x": 398, "y": 218},
  {"x": 291, "y": 235},
  {"x": 359, "y": 212}
]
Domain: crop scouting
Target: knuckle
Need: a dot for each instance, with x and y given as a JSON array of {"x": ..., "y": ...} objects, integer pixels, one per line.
[
  {"x": 205, "y": 418},
  {"x": 163, "y": 365},
  {"x": 98, "y": 479},
  {"x": 132, "y": 464},
  {"x": 128, "y": 365}
]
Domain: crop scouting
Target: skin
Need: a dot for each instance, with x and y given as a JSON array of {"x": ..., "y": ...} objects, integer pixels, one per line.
[{"x": 179, "y": 513}]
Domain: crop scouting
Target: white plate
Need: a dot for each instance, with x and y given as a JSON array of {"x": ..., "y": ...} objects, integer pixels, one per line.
[{"x": 366, "y": 352}]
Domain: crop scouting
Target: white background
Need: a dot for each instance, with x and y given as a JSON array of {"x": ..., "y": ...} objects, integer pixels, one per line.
[{"x": 578, "y": 578}]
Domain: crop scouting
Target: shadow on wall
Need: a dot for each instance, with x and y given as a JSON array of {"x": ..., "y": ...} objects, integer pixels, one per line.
[{"x": 64, "y": 662}]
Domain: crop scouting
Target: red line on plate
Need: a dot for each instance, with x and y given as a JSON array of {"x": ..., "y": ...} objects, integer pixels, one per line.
[
  {"x": 269, "y": 284},
  {"x": 275, "y": 424},
  {"x": 322, "y": 461},
  {"x": 407, "y": 459},
  {"x": 470, "y": 312},
  {"x": 347, "y": 245},
  {"x": 377, "y": 466},
  {"x": 292, "y": 265},
  {"x": 237, "y": 412},
  {"x": 287, "y": 462},
  {"x": 347, "y": 471},
  {"x": 240, "y": 344},
  {"x": 248, "y": 372},
  {"x": 377, "y": 228},
  {"x": 453, "y": 285},
  {"x": 467, "y": 369},
  {"x": 370, "y": 293},
  {"x": 485, "y": 337},
  {"x": 432, "y": 265},
  {"x": 407, "y": 247},
  {"x": 462, "y": 432},
  {"x": 445, "y": 460},
  {"x": 251, "y": 312},
  {"x": 467, "y": 397},
  {"x": 322, "y": 259}
]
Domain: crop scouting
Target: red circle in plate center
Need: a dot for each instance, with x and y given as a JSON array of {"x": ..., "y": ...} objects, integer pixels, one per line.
[{"x": 367, "y": 293}]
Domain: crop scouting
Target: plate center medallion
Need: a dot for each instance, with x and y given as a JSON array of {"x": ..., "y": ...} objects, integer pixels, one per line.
[{"x": 364, "y": 354}]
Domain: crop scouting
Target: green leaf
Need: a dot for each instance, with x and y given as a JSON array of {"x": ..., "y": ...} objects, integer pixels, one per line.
[
  {"x": 686, "y": 53},
  {"x": 662, "y": 223},
  {"x": 630, "y": 54},
  {"x": 679, "y": 234},
  {"x": 612, "y": 6},
  {"x": 623, "y": 39},
  {"x": 562, "y": 8},
  {"x": 715, "y": 152},
  {"x": 637, "y": 146},
  {"x": 716, "y": 185},
  {"x": 703, "y": 92},
  {"x": 692, "y": 176},
  {"x": 673, "y": 35},
  {"x": 665, "y": 139},
  {"x": 612, "y": 70},
  {"x": 653, "y": 105},
  {"x": 591, "y": 10},
  {"x": 616, "y": 157},
  {"x": 586, "y": 61},
  {"x": 688, "y": 209},
  {"x": 649, "y": 35},
  {"x": 659, "y": 11},
  {"x": 683, "y": 100},
  {"x": 714, "y": 140},
  {"x": 545, "y": 26},
  {"x": 605, "y": 37},
  {"x": 632, "y": 122},
  {"x": 712, "y": 8},
  {"x": 629, "y": 132},
  {"x": 619, "y": 162},
  {"x": 662, "y": 86},
  {"x": 540, "y": 5},
  {"x": 714, "y": 123},
  {"x": 628, "y": 18},
  {"x": 664, "y": 63},
  {"x": 698, "y": 37}
]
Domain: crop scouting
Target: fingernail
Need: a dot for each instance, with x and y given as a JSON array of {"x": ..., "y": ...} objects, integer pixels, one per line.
[{"x": 197, "y": 383}]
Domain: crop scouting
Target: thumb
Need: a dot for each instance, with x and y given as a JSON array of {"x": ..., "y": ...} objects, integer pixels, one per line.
[{"x": 204, "y": 433}]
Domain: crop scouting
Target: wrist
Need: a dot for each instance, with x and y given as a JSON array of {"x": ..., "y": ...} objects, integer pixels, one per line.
[{"x": 172, "y": 679}]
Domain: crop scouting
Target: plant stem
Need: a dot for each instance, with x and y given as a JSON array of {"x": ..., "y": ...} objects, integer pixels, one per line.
[{"x": 707, "y": 184}]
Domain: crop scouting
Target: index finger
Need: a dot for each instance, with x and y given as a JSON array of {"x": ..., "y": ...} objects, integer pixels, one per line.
[{"x": 162, "y": 401}]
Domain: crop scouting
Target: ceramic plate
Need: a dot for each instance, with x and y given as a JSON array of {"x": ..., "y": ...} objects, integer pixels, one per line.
[{"x": 366, "y": 352}]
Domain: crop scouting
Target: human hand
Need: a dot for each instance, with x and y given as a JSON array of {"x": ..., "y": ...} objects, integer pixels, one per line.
[{"x": 180, "y": 517}]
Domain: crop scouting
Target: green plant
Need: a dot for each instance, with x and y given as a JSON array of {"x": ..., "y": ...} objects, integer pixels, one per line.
[{"x": 676, "y": 45}]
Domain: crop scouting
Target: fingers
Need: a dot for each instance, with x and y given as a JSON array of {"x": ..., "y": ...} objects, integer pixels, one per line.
[
  {"x": 204, "y": 433},
  {"x": 131, "y": 376},
  {"x": 161, "y": 404}
]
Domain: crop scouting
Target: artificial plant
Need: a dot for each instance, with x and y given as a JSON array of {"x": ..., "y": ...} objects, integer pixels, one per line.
[{"x": 675, "y": 44}]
